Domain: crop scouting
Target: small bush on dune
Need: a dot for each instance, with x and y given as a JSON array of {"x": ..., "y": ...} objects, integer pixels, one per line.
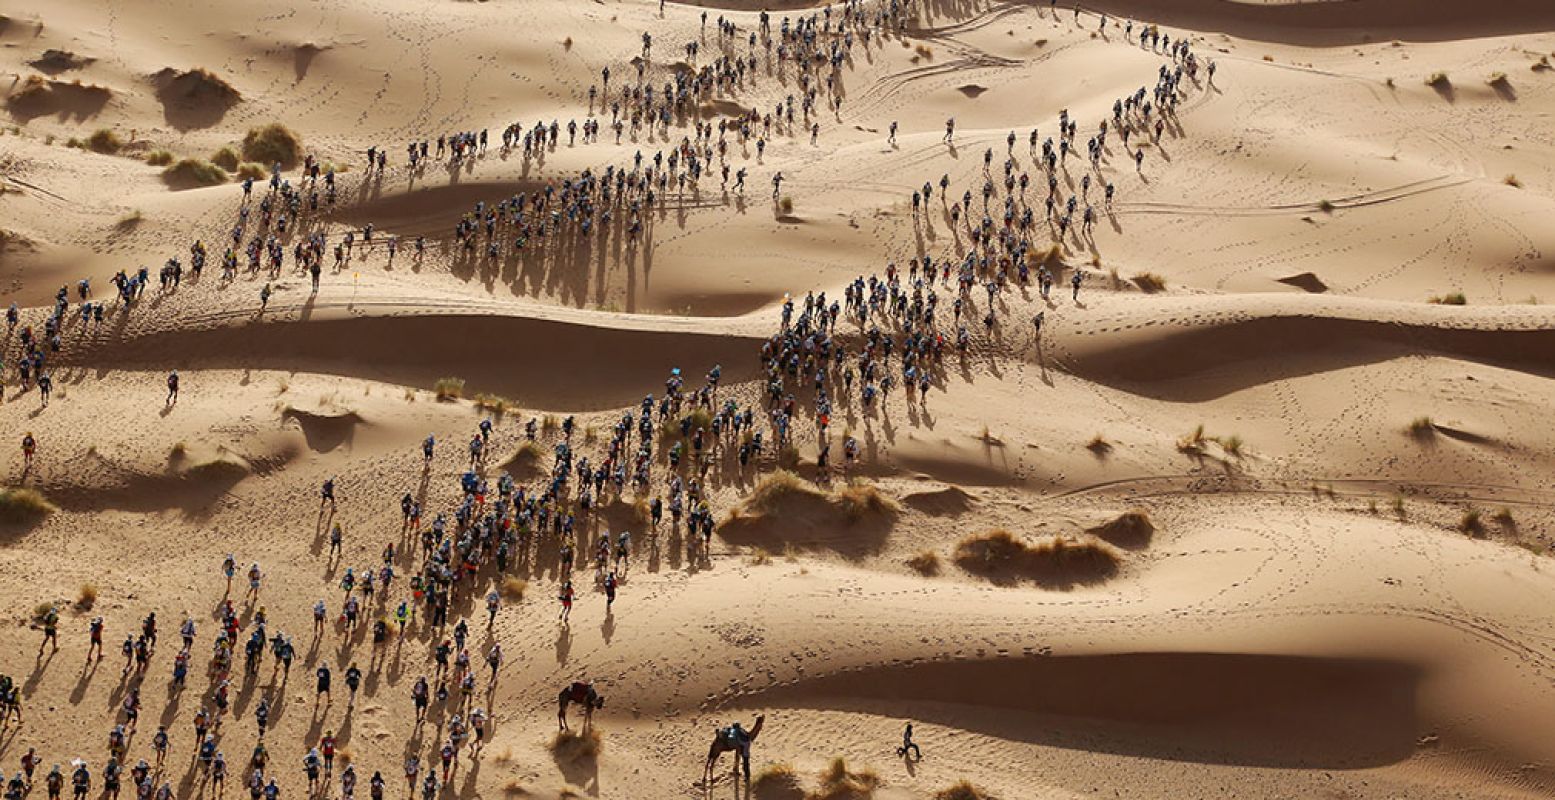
[
  {"x": 1471, "y": 524},
  {"x": 861, "y": 497},
  {"x": 1512, "y": 181},
  {"x": 925, "y": 563},
  {"x": 273, "y": 143},
  {"x": 962, "y": 790},
  {"x": 1452, "y": 299},
  {"x": 1132, "y": 528},
  {"x": 1193, "y": 442},
  {"x": 1498, "y": 80},
  {"x": 514, "y": 588},
  {"x": 776, "y": 779},
  {"x": 226, "y": 158},
  {"x": 1149, "y": 282},
  {"x": 192, "y": 172},
  {"x": 159, "y": 158},
  {"x": 448, "y": 389},
  {"x": 86, "y": 597},
  {"x": 23, "y": 506},
  {"x": 786, "y": 205},
  {"x": 1231, "y": 444},
  {"x": 495, "y": 404},
  {"x": 104, "y": 141},
  {"x": 777, "y": 487},
  {"x": 1505, "y": 519},
  {"x": 1438, "y": 80},
  {"x": 1056, "y": 559},
  {"x": 1422, "y": 428},
  {"x": 577, "y": 745},
  {"x": 840, "y": 783},
  {"x": 1099, "y": 445},
  {"x": 759, "y": 557},
  {"x": 250, "y": 169}
]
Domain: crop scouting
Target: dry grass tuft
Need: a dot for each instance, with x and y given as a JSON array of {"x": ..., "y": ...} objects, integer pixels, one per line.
[
  {"x": 1438, "y": 80},
  {"x": 273, "y": 143},
  {"x": 159, "y": 158},
  {"x": 1422, "y": 428},
  {"x": 86, "y": 597},
  {"x": 925, "y": 563},
  {"x": 856, "y": 500},
  {"x": 1498, "y": 80},
  {"x": 840, "y": 783},
  {"x": 448, "y": 389},
  {"x": 513, "y": 588},
  {"x": 24, "y": 506},
  {"x": 251, "y": 169},
  {"x": 962, "y": 790},
  {"x": 1131, "y": 529},
  {"x": 193, "y": 172},
  {"x": 860, "y": 497},
  {"x": 759, "y": 557},
  {"x": 226, "y": 158},
  {"x": 1149, "y": 282},
  {"x": 492, "y": 403},
  {"x": 104, "y": 141},
  {"x": 1058, "y": 560},
  {"x": 1450, "y": 299},
  {"x": 1471, "y": 524},
  {"x": 1504, "y": 518},
  {"x": 1193, "y": 442},
  {"x": 776, "y": 780},
  {"x": 1099, "y": 446},
  {"x": 786, "y": 205},
  {"x": 1512, "y": 181}
]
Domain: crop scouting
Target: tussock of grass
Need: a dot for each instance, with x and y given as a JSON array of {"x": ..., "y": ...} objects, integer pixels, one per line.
[
  {"x": 1451, "y": 299},
  {"x": 759, "y": 557},
  {"x": 1398, "y": 506},
  {"x": 159, "y": 158},
  {"x": 1231, "y": 444},
  {"x": 775, "y": 779},
  {"x": 1057, "y": 559},
  {"x": 1149, "y": 282},
  {"x": 273, "y": 143},
  {"x": 962, "y": 790},
  {"x": 1498, "y": 79},
  {"x": 192, "y": 172},
  {"x": 226, "y": 158},
  {"x": 577, "y": 745},
  {"x": 1422, "y": 428},
  {"x": 86, "y": 597},
  {"x": 1099, "y": 446},
  {"x": 1193, "y": 442},
  {"x": 448, "y": 389},
  {"x": 1504, "y": 518},
  {"x": 840, "y": 783},
  {"x": 104, "y": 141},
  {"x": 495, "y": 404},
  {"x": 1471, "y": 524},
  {"x": 855, "y": 500},
  {"x": 1438, "y": 80},
  {"x": 925, "y": 563},
  {"x": 786, "y": 204},
  {"x": 1132, "y": 528},
  {"x": 549, "y": 423},
  {"x": 250, "y": 169},
  {"x": 1512, "y": 181},
  {"x": 24, "y": 506},
  {"x": 1326, "y": 206},
  {"x": 701, "y": 419}
]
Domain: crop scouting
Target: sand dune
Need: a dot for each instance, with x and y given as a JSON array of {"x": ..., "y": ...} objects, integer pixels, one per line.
[{"x": 1260, "y": 507}]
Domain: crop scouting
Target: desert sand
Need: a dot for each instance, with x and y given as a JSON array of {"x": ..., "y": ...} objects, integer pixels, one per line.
[{"x": 1262, "y": 509}]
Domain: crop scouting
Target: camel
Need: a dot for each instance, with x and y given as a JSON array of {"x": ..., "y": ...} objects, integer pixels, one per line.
[
  {"x": 736, "y": 739},
  {"x": 581, "y": 693}
]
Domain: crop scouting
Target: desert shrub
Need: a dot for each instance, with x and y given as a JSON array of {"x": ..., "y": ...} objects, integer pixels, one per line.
[
  {"x": 513, "y": 588},
  {"x": 775, "y": 779},
  {"x": 1231, "y": 444},
  {"x": 1132, "y": 528},
  {"x": 86, "y": 597},
  {"x": 22, "y": 506},
  {"x": 925, "y": 563},
  {"x": 860, "y": 497},
  {"x": 1438, "y": 80},
  {"x": 775, "y": 488},
  {"x": 840, "y": 783},
  {"x": 495, "y": 404},
  {"x": 786, "y": 205},
  {"x": 1193, "y": 442},
  {"x": 1056, "y": 559},
  {"x": 251, "y": 169},
  {"x": 1149, "y": 282},
  {"x": 159, "y": 158},
  {"x": 1099, "y": 445},
  {"x": 1498, "y": 79},
  {"x": 1451, "y": 299},
  {"x": 1504, "y": 518},
  {"x": 1512, "y": 181},
  {"x": 1471, "y": 524},
  {"x": 448, "y": 389},
  {"x": 759, "y": 557},
  {"x": 1422, "y": 428},
  {"x": 273, "y": 143},
  {"x": 962, "y": 790},
  {"x": 191, "y": 172},
  {"x": 226, "y": 158},
  {"x": 104, "y": 141}
]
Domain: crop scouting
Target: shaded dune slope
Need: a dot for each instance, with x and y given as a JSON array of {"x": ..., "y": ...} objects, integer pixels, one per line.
[{"x": 1221, "y": 708}]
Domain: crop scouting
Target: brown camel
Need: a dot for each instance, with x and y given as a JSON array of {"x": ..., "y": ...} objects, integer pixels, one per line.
[
  {"x": 736, "y": 739},
  {"x": 582, "y": 694}
]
